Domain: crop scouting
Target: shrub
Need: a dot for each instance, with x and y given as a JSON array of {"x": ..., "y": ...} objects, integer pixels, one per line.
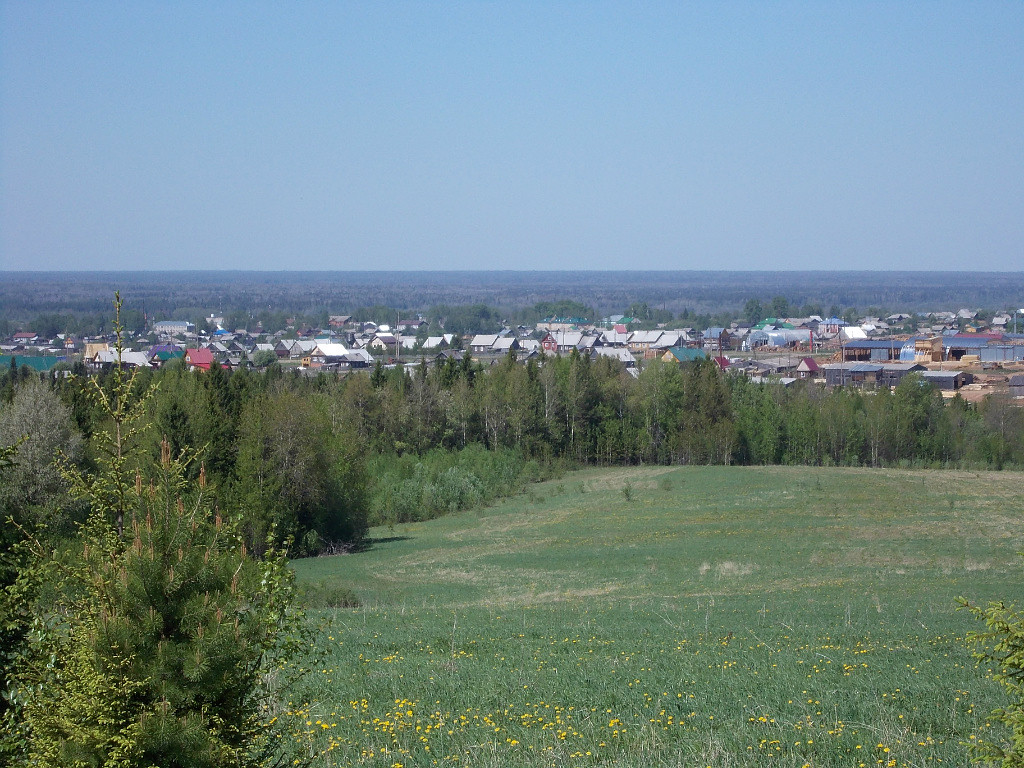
[{"x": 1002, "y": 646}]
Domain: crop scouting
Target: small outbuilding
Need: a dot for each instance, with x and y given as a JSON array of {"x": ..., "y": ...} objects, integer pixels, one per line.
[{"x": 948, "y": 381}]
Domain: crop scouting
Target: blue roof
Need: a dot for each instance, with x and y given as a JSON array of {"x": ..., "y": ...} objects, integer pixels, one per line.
[{"x": 962, "y": 342}]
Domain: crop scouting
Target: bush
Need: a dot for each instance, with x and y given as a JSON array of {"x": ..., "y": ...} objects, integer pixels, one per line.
[
  {"x": 411, "y": 488},
  {"x": 1002, "y": 646}
]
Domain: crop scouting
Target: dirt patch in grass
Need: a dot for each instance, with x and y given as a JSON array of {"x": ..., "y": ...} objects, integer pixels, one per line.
[{"x": 637, "y": 477}]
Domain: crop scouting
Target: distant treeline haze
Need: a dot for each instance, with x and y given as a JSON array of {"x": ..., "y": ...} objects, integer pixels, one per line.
[{"x": 78, "y": 303}]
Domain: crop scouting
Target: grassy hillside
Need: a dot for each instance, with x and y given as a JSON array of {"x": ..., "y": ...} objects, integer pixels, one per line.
[{"x": 673, "y": 616}]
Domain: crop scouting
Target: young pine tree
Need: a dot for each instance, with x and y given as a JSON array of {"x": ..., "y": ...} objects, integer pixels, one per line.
[
  {"x": 162, "y": 632},
  {"x": 1002, "y": 646}
]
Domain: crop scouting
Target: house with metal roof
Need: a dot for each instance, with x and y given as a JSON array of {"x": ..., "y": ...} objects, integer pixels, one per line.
[
  {"x": 505, "y": 344},
  {"x": 40, "y": 363},
  {"x": 557, "y": 342},
  {"x": 621, "y": 354},
  {"x": 808, "y": 368},
  {"x": 683, "y": 355},
  {"x": 483, "y": 342},
  {"x": 198, "y": 359}
]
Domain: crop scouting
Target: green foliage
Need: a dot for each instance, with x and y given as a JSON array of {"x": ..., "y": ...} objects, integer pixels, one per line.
[
  {"x": 264, "y": 357},
  {"x": 296, "y": 474},
  {"x": 34, "y": 503},
  {"x": 156, "y": 637},
  {"x": 164, "y": 638},
  {"x": 465, "y": 320},
  {"x": 753, "y": 312},
  {"x": 1002, "y": 646},
  {"x": 409, "y": 488},
  {"x": 38, "y": 426}
]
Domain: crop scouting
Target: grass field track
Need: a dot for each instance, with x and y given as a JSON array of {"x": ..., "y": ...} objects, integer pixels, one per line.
[{"x": 672, "y": 616}]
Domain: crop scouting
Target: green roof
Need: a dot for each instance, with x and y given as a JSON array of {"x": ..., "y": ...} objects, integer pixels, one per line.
[
  {"x": 775, "y": 322},
  {"x": 36, "y": 362},
  {"x": 686, "y": 354},
  {"x": 164, "y": 356}
]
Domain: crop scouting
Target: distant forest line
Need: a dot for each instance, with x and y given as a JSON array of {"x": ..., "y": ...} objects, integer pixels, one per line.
[{"x": 25, "y": 296}]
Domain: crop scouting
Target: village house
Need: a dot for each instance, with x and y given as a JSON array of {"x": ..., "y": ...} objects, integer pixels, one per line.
[
  {"x": 505, "y": 344},
  {"x": 641, "y": 341},
  {"x": 807, "y": 368},
  {"x": 198, "y": 359},
  {"x": 482, "y": 342},
  {"x": 443, "y": 341},
  {"x": 106, "y": 358},
  {"x": 683, "y": 355},
  {"x": 559, "y": 342},
  {"x": 621, "y": 354}
]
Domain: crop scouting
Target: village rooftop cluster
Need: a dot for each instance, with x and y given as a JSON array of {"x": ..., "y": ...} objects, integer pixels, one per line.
[{"x": 943, "y": 346}]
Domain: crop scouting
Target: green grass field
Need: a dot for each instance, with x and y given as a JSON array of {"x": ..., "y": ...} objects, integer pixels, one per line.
[{"x": 719, "y": 616}]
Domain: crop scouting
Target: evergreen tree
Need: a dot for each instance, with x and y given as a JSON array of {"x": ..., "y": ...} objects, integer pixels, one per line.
[{"x": 156, "y": 635}]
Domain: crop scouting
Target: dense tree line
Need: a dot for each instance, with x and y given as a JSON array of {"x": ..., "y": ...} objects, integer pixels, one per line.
[
  {"x": 321, "y": 458},
  {"x": 587, "y": 411}
]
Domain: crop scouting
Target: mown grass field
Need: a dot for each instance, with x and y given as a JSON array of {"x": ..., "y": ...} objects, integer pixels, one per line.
[{"x": 720, "y": 616}]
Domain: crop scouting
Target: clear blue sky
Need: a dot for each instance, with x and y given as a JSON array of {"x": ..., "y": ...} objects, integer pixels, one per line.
[{"x": 585, "y": 135}]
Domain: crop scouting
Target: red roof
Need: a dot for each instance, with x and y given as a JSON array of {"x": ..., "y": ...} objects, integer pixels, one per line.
[
  {"x": 810, "y": 364},
  {"x": 723, "y": 362},
  {"x": 200, "y": 358},
  {"x": 988, "y": 336}
]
